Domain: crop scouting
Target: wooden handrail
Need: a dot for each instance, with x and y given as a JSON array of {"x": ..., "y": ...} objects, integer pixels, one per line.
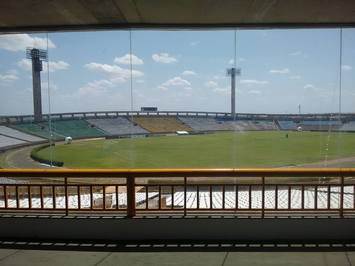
[
  {"x": 130, "y": 187},
  {"x": 200, "y": 172}
]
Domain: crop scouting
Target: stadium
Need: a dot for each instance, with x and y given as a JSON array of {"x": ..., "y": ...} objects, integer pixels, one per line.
[
  {"x": 155, "y": 127},
  {"x": 214, "y": 138},
  {"x": 178, "y": 140}
]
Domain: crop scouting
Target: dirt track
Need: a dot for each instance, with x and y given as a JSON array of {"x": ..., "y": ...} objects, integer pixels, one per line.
[{"x": 20, "y": 158}]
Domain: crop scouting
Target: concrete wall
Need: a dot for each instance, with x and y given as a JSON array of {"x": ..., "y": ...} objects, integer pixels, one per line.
[{"x": 174, "y": 229}]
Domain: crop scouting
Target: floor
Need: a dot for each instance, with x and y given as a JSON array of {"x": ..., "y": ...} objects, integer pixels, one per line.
[{"x": 53, "y": 258}]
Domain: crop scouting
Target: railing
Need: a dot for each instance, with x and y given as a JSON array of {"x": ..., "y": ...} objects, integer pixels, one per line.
[
  {"x": 110, "y": 114},
  {"x": 258, "y": 192}
]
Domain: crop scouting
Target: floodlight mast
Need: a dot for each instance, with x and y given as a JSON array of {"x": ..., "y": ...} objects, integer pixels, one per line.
[
  {"x": 37, "y": 56},
  {"x": 233, "y": 72}
]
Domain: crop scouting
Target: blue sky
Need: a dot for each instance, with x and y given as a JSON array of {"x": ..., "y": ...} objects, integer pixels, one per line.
[{"x": 182, "y": 70}]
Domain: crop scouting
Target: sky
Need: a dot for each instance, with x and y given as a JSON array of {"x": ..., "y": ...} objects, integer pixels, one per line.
[{"x": 182, "y": 70}]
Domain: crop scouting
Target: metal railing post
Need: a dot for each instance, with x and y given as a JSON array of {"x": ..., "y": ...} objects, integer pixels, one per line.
[
  {"x": 263, "y": 197},
  {"x": 131, "y": 196},
  {"x": 185, "y": 200},
  {"x": 66, "y": 196},
  {"x": 341, "y": 210},
  {"x": 5, "y": 197}
]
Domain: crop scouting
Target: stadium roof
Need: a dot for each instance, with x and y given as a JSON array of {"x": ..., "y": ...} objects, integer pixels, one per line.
[{"x": 51, "y": 15}]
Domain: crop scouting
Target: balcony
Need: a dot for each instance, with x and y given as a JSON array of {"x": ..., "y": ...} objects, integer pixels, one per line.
[{"x": 233, "y": 206}]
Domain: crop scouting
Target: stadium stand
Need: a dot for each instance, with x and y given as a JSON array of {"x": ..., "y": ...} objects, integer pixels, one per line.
[
  {"x": 212, "y": 124},
  {"x": 117, "y": 126},
  {"x": 287, "y": 125},
  {"x": 10, "y": 132},
  {"x": 248, "y": 125},
  {"x": 349, "y": 126},
  {"x": 61, "y": 129},
  {"x": 320, "y": 125},
  {"x": 39, "y": 129},
  {"x": 201, "y": 123},
  {"x": 160, "y": 124},
  {"x": 6, "y": 142}
]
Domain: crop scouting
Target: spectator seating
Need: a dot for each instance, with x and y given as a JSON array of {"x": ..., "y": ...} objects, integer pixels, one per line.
[
  {"x": 10, "y": 132},
  {"x": 160, "y": 124},
  {"x": 246, "y": 125},
  {"x": 117, "y": 126},
  {"x": 6, "y": 142},
  {"x": 287, "y": 125},
  {"x": 61, "y": 129},
  {"x": 212, "y": 124},
  {"x": 201, "y": 123},
  {"x": 321, "y": 125},
  {"x": 349, "y": 126}
]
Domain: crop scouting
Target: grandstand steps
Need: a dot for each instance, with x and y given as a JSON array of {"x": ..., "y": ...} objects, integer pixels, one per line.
[
  {"x": 60, "y": 129},
  {"x": 10, "y": 138},
  {"x": 8, "y": 142},
  {"x": 117, "y": 126},
  {"x": 160, "y": 124}
]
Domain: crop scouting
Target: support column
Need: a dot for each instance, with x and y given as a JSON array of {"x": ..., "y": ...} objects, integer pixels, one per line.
[
  {"x": 233, "y": 94},
  {"x": 37, "y": 96}
]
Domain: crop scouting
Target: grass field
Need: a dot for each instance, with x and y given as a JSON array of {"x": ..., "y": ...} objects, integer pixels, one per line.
[{"x": 247, "y": 149}]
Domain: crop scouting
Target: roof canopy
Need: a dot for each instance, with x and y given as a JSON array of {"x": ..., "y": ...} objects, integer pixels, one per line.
[{"x": 51, "y": 15}]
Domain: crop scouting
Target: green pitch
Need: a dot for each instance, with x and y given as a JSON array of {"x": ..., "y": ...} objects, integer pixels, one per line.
[{"x": 239, "y": 149}]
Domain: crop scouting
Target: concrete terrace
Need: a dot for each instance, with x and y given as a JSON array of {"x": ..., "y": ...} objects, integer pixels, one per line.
[{"x": 56, "y": 257}]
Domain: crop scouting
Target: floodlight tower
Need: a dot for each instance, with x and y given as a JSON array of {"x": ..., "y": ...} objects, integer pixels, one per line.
[
  {"x": 37, "y": 56},
  {"x": 233, "y": 72}
]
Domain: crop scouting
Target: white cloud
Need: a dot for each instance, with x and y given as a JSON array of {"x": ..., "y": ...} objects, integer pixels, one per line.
[
  {"x": 164, "y": 58},
  {"x": 211, "y": 84},
  {"x": 254, "y": 92},
  {"x": 188, "y": 73},
  {"x": 96, "y": 87},
  {"x": 280, "y": 71},
  {"x": 8, "y": 77},
  {"x": 126, "y": 60},
  {"x": 57, "y": 65},
  {"x": 346, "y": 67},
  {"x": 115, "y": 75},
  {"x": 240, "y": 59},
  {"x": 225, "y": 90},
  {"x": 19, "y": 42},
  {"x": 295, "y": 77},
  {"x": 12, "y": 71},
  {"x": 176, "y": 82},
  {"x": 113, "y": 71},
  {"x": 194, "y": 43},
  {"x": 309, "y": 86},
  {"x": 26, "y": 64},
  {"x": 140, "y": 81},
  {"x": 253, "y": 82},
  {"x": 216, "y": 77},
  {"x": 53, "y": 87}
]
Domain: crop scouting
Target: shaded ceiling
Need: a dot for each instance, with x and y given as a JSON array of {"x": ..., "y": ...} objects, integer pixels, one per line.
[{"x": 52, "y": 15}]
